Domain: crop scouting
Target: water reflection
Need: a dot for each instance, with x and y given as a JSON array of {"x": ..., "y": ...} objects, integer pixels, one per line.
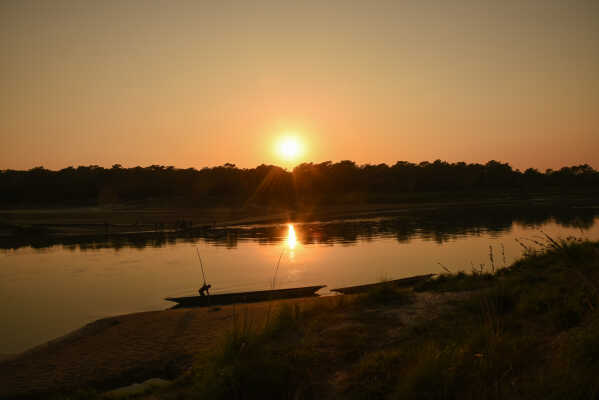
[
  {"x": 291, "y": 238},
  {"x": 439, "y": 225}
]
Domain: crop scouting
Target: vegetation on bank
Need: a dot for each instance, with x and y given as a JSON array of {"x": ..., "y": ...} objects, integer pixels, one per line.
[
  {"x": 529, "y": 330},
  {"x": 267, "y": 185}
]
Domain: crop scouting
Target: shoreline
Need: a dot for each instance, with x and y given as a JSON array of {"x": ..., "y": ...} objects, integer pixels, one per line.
[{"x": 119, "y": 350}]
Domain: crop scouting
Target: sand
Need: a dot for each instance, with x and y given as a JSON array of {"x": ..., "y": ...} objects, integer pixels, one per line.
[{"x": 117, "y": 351}]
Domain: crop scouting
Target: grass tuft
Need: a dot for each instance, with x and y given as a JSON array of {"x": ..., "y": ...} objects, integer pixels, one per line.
[{"x": 255, "y": 363}]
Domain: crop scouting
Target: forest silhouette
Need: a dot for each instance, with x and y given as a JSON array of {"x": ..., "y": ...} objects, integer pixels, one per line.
[{"x": 269, "y": 185}]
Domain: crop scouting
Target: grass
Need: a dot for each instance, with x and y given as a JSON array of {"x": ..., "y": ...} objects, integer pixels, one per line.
[
  {"x": 257, "y": 363},
  {"x": 530, "y": 331}
]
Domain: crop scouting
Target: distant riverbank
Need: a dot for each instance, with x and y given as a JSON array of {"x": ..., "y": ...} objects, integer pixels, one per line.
[{"x": 19, "y": 224}]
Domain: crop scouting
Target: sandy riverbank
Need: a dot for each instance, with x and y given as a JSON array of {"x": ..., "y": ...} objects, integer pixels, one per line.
[{"x": 119, "y": 350}]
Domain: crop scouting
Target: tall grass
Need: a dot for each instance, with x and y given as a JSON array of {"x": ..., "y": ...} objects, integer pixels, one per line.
[
  {"x": 530, "y": 332},
  {"x": 256, "y": 362}
]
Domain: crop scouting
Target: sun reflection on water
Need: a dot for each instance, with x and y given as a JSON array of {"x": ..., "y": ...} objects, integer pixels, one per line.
[{"x": 291, "y": 238}]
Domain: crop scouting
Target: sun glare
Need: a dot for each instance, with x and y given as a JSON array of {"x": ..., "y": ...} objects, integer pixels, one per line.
[
  {"x": 289, "y": 148},
  {"x": 291, "y": 238}
]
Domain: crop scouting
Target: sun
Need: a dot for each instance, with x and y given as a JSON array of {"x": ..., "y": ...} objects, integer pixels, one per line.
[{"x": 289, "y": 148}]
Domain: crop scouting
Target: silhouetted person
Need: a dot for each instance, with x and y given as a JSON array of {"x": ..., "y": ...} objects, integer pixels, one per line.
[{"x": 204, "y": 290}]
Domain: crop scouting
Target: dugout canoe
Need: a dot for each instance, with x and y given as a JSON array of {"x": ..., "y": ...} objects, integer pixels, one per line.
[
  {"x": 403, "y": 282},
  {"x": 244, "y": 297}
]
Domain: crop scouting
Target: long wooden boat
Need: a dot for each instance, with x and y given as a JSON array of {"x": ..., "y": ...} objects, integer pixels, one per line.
[
  {"x": 403, "y": 282},
  {"x": 244, "y": 297}
]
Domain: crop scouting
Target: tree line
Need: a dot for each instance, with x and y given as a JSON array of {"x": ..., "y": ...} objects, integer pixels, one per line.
[{"x": 306, "y": 184}]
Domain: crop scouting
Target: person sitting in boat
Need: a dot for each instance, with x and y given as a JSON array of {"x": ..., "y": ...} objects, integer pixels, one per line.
[{"x": 204, "y": 290}]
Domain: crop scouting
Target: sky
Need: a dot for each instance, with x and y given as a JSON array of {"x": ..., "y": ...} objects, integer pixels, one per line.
[{"x": 202, "y": 83}]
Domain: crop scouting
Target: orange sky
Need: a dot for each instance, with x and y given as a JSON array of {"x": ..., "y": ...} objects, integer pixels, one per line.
[{"x": 194, "y": 84}]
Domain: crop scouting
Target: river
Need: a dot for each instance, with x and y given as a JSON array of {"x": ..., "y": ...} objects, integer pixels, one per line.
[{"x": 47, "y": 290}]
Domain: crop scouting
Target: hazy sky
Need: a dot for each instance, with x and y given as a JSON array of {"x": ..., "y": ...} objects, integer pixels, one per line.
[{"x": 201, "y": 83}]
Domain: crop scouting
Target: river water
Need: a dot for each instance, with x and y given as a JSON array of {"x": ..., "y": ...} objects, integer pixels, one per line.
[{"x": 49, "y": 289}]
